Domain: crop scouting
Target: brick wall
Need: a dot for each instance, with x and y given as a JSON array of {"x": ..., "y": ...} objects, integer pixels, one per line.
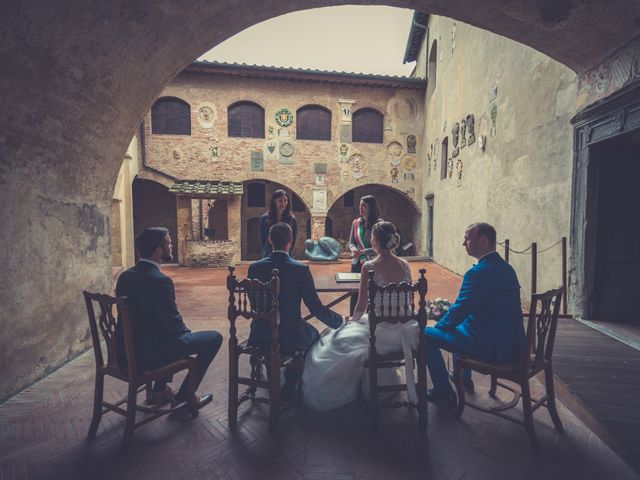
[{"x": 210, "y": 154}]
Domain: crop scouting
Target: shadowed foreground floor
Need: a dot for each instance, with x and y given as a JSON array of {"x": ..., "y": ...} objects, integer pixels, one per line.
[{"x": 43, "y": 429}]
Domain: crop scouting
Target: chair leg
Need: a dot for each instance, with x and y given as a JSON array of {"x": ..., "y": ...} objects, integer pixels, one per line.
[
  {"x": 423, "y": 412},
  {"x": 130, "y": 424},
  {"x": 97, "y": 406},
  {"x": 551, "y": 398},
  {"x": 274, "y": 396},
  {"x": 528, "y": 415},
  {"x": 494, "y": 386},
  {"x": 373, "y": 395},
  {"x": 232, "y": 414},
  {"x": 459, "y": 383}
]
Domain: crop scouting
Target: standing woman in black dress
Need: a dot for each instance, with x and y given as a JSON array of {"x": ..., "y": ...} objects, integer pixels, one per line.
[
  {"x": 279, "y": 211},
  {"x": 360, "y": 236}
]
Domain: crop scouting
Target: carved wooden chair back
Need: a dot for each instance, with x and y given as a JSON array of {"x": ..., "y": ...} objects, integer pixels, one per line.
[
  {"x": 256, "y": 301},
  {"x": 544, "y": 312},
  {"x": 103, "y": 312},
  {"x": 398, "y": 303}
]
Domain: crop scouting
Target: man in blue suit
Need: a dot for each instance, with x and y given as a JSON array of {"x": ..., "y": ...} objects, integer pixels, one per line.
[
  {"x": 161, "y": 336},
  {"x": 296, "y": 285},
  {"x": 485, "y": 322}
]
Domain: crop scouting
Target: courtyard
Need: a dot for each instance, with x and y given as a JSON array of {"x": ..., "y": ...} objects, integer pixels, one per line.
[{"x": 43, "y": 429}]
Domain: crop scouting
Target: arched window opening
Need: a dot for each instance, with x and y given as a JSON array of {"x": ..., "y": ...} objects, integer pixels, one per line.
[
  {"x": 368, "y": 126},
  {"x": 171, "y": 116},
  {"x": 432, "y": 68},
  {"x": 245, "y": 119},
  {"x": 313, "y": 123},
  {"x": 444, "y": 154}
]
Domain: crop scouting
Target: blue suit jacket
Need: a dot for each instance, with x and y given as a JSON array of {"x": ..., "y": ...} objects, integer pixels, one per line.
[
  {"x": 296, "y": 285},
  {"x": 157, "y": 324},
  {"x": 488, "y": 309}
]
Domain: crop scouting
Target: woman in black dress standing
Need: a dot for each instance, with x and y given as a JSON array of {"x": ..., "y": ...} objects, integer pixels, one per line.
[{"x": 279, "y": 211}]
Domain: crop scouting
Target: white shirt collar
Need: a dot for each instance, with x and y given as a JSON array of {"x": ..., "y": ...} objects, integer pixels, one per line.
[
  {"x": 151, "y": 262},
  {"x": 281, "y": 251},
  {"x": 486, "y": 254}
]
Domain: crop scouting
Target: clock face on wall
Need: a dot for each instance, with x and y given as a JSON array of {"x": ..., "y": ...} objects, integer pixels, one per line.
[{"x": 286, "y": 149}]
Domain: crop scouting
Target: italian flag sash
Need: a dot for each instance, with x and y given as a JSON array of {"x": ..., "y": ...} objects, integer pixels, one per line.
[{"x": 359, "y": 233}]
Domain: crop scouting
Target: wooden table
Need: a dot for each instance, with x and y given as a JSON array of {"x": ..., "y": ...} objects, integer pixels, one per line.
[{"x": 326, "y": 283}]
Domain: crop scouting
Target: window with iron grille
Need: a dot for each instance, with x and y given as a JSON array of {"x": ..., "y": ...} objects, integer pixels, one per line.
[
  {"x": 255, "y": 195},
  {"x": 367, "y": 126},
  {"x": 245, "y": 119},
  {"x": 313, "y": 123},
  {"x": 171, "y": 116}
]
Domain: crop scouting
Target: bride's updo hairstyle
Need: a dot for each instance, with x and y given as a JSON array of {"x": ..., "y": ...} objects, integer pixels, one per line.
[{"x": 386, "y": 235}]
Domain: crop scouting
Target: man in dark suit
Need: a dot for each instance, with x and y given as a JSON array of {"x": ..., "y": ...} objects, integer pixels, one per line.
[
  {"x": 161, "y": 336},
  {"x": 296, "y": 285},
  {"x": 485, "y": 322}
]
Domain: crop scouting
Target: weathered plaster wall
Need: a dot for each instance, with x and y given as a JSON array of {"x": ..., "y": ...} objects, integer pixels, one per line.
[{"x": 521, "y": 183}]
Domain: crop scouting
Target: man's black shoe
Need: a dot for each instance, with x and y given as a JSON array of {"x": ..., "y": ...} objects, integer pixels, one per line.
[
  {"x": 468, "y": 385},
  {"x": 442, "y": 398}
]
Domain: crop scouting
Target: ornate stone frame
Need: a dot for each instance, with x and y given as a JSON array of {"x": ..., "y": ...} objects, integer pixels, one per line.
[{"x": 616, "y": 115}]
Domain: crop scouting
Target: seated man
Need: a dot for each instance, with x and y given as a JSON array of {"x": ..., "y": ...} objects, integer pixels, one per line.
[
  {"x": 485, "y": 322},
  {"x": 160, "y": 334},
  {"x": 296, "y": 284}
]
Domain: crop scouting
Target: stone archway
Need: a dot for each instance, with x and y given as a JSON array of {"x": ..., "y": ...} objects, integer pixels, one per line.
[
  {"x": 74, "y": 101},
  {"x": 255, "y": 204},
  {"x": 394, "y": 206}
]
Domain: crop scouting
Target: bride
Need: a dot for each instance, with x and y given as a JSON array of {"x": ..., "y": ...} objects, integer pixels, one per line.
[{"x": 335, "y": 364}]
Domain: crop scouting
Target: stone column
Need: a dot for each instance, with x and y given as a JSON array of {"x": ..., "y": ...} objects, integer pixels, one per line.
[
  {"x": 234, "y": 223},
  {"x": 184, "y": 224},
  {"x": 317, "y": 226}
]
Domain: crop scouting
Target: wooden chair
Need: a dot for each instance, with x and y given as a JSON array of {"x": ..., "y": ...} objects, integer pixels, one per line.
[
  {"x": 257, "y": 301},
  {"x": 104, "y": 327},
  {"x": 537, "y": 356},
  {"x": 401, "y": 310}
]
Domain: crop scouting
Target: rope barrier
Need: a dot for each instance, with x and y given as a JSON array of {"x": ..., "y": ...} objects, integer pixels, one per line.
[{"x": 526, "y": 250}]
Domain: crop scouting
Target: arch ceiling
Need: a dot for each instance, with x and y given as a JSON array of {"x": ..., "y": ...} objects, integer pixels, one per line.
[{"x": 77, "y": 78}]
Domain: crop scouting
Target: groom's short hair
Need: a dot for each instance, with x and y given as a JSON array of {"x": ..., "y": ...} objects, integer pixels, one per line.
[
  {"x": 280, "y": 234},
  {"x": 486, "y": 230}
]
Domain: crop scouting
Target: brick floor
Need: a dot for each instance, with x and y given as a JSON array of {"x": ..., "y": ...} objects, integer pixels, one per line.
[{"x": 43, "y": 429}]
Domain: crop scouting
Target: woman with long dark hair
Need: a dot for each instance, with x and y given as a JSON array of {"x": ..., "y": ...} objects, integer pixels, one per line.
[
  {"x": 360, "y": 236},
  {"x": 279, "y": 211}
]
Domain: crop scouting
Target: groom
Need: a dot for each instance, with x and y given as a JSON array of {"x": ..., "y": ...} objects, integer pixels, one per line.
[
  {"x": 485, "y": 322},
  {"x": 296, "y": 285}
]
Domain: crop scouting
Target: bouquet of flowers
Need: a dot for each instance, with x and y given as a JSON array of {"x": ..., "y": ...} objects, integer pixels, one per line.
[{"x": 437, "y": 308}]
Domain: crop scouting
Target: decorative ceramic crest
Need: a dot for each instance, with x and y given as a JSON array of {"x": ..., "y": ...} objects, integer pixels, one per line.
[{"x": 284, "y": 117}]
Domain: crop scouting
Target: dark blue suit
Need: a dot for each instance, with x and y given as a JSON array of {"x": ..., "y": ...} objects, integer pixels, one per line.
[
  {"x": 296, "y": 285},
  {"x": 485, "y": 322},
  {"x": 161, "y": 336}
]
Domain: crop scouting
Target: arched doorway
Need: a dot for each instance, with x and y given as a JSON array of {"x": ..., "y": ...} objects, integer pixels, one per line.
[
  {"x": 394, "y": 206},
  {"x": 255, "y": 203},
  {"x": 154, "y": 206}
]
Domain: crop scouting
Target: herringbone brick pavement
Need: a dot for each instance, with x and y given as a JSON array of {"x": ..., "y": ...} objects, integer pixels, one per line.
[{"x": 43, "y": 429}]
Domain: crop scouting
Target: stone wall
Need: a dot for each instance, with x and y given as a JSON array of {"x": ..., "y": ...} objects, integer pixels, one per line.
[
  {"x": 210, "y": 254},
  {"x": 521, "y": 180},
  {"x": 319, "y": 172}
]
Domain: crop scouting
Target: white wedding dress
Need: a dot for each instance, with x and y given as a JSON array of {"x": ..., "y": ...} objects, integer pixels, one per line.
[{"x": 335, "y": 365}]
